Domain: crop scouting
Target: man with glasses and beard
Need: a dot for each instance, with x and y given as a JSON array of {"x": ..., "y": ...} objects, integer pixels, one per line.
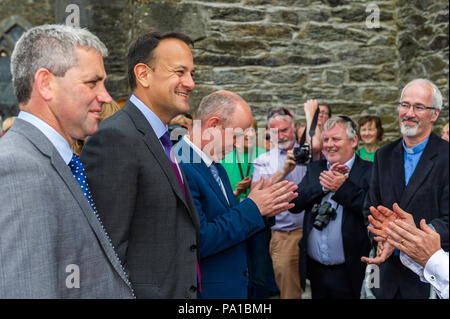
[
  {"x": 276, "y": 165},
  {"x": 412, "y": 172}
]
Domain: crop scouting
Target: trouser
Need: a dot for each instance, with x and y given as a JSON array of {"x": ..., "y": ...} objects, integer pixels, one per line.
[
  {"x": 285, "y": 256},
  {"x": 329, "y": 282},
  {"x": 259, "y": 264}
]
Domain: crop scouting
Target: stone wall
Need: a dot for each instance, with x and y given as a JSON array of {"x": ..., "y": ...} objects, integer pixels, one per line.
[{"x": 282, "y": 52}]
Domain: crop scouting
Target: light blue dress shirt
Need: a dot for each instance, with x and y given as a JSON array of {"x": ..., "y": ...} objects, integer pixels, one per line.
[
  {"x": 270, "y": 163},
  {"x": 61, "y": 145},
  {"x": 155, "y": 122},
  {"x": 412, "y": 157},
  {"x": 326, "y": 246}
]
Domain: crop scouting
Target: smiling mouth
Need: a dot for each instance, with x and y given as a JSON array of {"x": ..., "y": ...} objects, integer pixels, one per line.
[{"x": 185, "y": 95}]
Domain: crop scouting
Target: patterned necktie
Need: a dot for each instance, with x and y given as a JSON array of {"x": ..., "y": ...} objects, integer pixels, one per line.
[
  {"x": 215, "y": 174},
  {"x": 167, "y": 143},
  {"x": 77, "y": 169}
]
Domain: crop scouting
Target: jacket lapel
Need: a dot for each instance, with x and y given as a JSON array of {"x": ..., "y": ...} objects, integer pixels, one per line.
[
  {"x": 423, "y": 168},
  {"x": 155, "y": 147},
  {"x": 397, "y": 171},
  {"x": 188, "y": 156},
  {"x": 41, "y": 142}
]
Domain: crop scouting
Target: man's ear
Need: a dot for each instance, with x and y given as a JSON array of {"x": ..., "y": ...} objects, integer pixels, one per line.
[
  {"x": 143, "y": 74},
  {"x": 44, "y": 84},
  {"x": 213, "y": 122},
  {"x": 435, "y": 116},
  {"x": 355, "y": 142}
]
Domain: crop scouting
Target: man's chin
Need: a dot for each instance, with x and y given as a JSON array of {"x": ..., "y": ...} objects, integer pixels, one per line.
[{"x": 409, "y": 131}]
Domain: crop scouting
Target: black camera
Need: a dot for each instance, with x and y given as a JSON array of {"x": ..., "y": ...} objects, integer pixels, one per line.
[
  {"x": 302, "y": 154},
  {"x": 322, "y": 214}
]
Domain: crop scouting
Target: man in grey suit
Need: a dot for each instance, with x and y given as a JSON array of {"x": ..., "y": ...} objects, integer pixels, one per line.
[
  {"x": 52, "y": 243},
  {"x": 141, "y": 195}
]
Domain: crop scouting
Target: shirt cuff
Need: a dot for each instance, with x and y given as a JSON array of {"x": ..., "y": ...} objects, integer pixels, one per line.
[
  {"x": 412, "y": 265},
  {"x": 436, "y": 270}
]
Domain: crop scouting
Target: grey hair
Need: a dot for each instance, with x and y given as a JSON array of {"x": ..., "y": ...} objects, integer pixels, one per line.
[
  {"x": 282, "y": 117},
  {"x": 350, "y": 127},
  {"x": 436, "y": 100},
  {"x": 52, "y": 47},
  {"x": 219, "y": 103}
]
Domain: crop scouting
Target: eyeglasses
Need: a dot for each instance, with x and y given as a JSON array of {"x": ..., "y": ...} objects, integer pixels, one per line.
[
  {"x": 417, "y": 108},
  {"x": 282, "y": 111},
  {"x": 323, "y": 113}
]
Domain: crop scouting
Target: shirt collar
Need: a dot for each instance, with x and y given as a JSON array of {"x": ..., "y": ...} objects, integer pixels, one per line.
[
  {"x": 155, "y": 122},
  {"x": 208, "y": 161},
  {"x": 59, "y": 142},
  {"x": 415, "y": 149},
  {"x": 349, "y": 163}
]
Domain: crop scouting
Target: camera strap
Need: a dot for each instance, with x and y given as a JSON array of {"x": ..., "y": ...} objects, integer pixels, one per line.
[
  {"x": 312, "y": 129},
  {"x": 239, "y": 163}
]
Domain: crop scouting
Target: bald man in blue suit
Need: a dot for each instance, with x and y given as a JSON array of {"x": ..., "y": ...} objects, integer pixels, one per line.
[{"x": 225, "y": 225}]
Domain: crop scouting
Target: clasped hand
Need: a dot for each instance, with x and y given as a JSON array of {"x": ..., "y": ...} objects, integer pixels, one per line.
[{"x": 333, "y": 179}]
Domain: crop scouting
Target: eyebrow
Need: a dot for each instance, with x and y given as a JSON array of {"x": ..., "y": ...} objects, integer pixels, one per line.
[{"x": 95, "y": 78}]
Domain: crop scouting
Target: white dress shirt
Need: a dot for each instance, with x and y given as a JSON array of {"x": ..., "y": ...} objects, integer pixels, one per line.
[
  {"x": 435, "y": 271},
  {"x": 208, "y": 161}
]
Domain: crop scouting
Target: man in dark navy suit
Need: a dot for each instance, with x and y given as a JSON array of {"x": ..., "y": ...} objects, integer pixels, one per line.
[
  {"x": 332, "y": 243},
  {"x": 225, "y": 225},
  {"x": 413, "y": 172}
]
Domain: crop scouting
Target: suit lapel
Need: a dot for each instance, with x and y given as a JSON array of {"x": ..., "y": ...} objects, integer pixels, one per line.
[
  {"x": 155, "y": 147},
  {"x": 188, "y": 156},
  {"x": 41, "y": 142},
  {"x": 354, "y": 175},
  {"x": 397, "y": 171},
  {"x": 423, "y": 168},
  {"x": 226, "y": 184}
]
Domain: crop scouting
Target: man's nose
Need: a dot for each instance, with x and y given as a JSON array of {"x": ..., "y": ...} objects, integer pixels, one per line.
[
  {"x": 103, "y": 95},
  {"x": 188, "y": 82}
]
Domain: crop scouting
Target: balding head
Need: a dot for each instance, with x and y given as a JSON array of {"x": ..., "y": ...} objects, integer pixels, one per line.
[
  {"x": 222, "y": 104},
  {"x": 224, "y": 117}
]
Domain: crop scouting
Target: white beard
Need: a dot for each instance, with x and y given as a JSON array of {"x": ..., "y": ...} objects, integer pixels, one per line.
[
  {"x": 409, "y": 131},
  {"x": 285, "y": 145}
]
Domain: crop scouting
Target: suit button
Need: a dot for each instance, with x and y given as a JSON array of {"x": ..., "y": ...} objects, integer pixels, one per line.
[
  {"x": 193, "y": 288},
  {"x": 246, "y": 273},
  {"x": 193, "y": 247}
]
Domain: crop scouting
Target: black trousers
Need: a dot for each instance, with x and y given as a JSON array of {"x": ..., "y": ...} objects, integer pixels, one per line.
[{"x": 329, "y": 282}]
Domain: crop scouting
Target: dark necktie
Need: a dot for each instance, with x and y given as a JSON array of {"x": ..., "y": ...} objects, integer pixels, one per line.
[
  {"x": 167, "y": 143},
  {"x": 77, "y": 169}
]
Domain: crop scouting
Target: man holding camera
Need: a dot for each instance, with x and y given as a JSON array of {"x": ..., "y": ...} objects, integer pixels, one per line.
[
  {"x": 276, "y": 165},
  {"x": 332, "y": 194}
]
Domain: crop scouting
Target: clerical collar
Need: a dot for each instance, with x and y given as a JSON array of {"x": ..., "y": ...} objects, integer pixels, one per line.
[{"x": 415, "y": 149}]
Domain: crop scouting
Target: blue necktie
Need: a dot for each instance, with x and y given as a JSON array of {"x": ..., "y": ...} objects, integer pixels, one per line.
[
  {"x": 215, "y": 174},
  {"x": 77, "y": 169}
]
